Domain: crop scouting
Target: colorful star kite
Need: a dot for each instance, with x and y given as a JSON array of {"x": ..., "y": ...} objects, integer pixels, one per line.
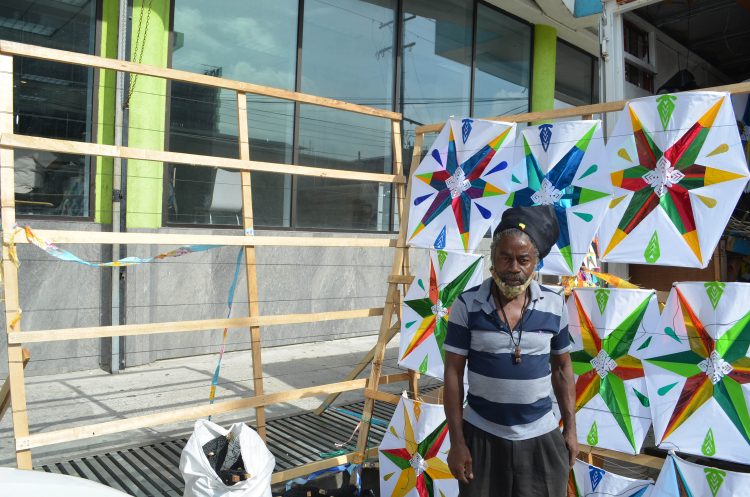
[
  {"x": 431, "y": 311},
  {"x": 454, "y": 189},
  {"x": 557, "y": 188},
  {"x": 665, "y": 178},
  {"x": 420, "y": 463},
  {"x": 604, "y": 365},
  {"x": 715, "y": 369}
]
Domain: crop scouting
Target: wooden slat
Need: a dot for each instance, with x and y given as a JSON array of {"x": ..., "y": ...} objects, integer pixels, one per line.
[
  {"x": 414, "y": 383},
  {"x": 10, "y": 271},
  {"x": 36, "y": 52},
  {"x": 185, "y": 326},
  {"x": 306, "y": 469},
  {"x": 403, "y": 279},
  {"x": 382, "y": 396},
  {"x": 394, "y": 378},
  {"x": 601, "y": 108},
  {"x": 5, "y": 389},
  {"x": 640, "y": 459},
  {"x": 250, "y": 271},
  {"x": 132, "y": 238},
  {"x": 160, "y": 157},
  {"x": 182, "y": 414}
]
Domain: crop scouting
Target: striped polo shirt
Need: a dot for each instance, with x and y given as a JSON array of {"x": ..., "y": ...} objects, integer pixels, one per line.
[{"x": 509, "y": 400}]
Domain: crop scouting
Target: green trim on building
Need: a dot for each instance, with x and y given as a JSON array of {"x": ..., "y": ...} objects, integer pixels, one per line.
[
  {"x": 146, "y": 119},
  {"x": 105, "y": 119},
  {"x": 543, "y": 73}
]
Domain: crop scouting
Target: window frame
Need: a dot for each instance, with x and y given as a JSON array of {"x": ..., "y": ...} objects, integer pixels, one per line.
[
  {"x": 396, "y": 102},
  {"x": 474, "y": 46},
  {"x": 89, "y": 160},
  {"x": 594, "y": 70}
]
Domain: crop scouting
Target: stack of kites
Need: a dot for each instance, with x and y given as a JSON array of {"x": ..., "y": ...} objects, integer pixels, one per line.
[{"x": 659, "y": 192}]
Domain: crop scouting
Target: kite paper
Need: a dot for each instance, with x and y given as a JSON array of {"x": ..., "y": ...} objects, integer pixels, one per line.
[
  {"x": 679, "y": 478},
  {"x": 564, "y": 165},
  {"x": 698, "y": 371},
  {"x": 591, "y": 481},
  {"x": 678, "y": 169},
  {"x": 610, "y": 328},
  {"x": 424, "y": 316},
  {"x": 458, "y": 187},
  {"x": 413, "y": 453}
]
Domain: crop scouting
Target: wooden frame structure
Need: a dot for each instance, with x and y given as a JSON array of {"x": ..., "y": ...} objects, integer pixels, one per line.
[
  {"x": 9, "y": 141},
  {"x": 386, "y": 334},
  {"x": 398, "y": 279}
]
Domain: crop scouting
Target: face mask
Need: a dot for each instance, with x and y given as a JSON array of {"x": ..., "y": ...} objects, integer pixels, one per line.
[{"x": 510, "y": 292}]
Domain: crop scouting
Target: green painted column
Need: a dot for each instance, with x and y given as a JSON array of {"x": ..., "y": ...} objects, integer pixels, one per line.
[
  {"x": 146, "y": 118},
  {"x": 105, "y": 119},
  {"x": 543, "y": 73}
]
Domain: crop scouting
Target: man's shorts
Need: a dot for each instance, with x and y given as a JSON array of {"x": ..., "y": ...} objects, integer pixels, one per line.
[{"x": 536, "y": 467}]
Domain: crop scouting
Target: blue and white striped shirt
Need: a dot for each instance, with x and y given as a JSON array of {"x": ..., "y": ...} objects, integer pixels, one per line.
[{"x": 509, "y": 400}]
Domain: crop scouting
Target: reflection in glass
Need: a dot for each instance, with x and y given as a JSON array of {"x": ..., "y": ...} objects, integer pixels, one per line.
[
  {"x": 343, "y": 140},
  {"x": 51, "y": 100},
  {"x": 248, "y": 41},
  {"x": 574, "y": 76},
  {"x": 436, "y": 72},
  {"x": 360, "y": 71},
  {"x": 503, "y": 57}
]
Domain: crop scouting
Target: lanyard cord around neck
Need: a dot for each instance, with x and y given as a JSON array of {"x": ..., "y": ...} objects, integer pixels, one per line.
[{"x": 517, "y": 344}]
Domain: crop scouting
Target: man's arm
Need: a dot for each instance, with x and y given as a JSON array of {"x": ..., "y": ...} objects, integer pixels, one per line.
[
  {"x": 459, "y": 457},
  {"x": 563, "y": 383}
]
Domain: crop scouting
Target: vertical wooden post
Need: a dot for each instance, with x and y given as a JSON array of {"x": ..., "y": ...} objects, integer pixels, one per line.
[
  {"x": 10, "y": 271},
  {"x": 5, "y": 389},
  {"x": 250, "y": 269},
  {"x": 416, "y": 156},
  {"x": 392, "y": 299}
]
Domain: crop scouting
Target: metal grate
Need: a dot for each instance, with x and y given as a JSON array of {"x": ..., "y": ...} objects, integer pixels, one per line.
[{"x": 153, "y": 470}]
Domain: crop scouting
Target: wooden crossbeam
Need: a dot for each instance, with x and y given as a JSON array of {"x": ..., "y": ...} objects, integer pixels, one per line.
[
  {"x": 306, "y": 469},
  {"x": 585, "y": 111},
  {"x": 42, "y": 439},
  {"x": 132, "y": 238},
  {"x": 160, "y": 157},
  {"x": 185, "y": 326},
  {"x": 36, "y": 52}
]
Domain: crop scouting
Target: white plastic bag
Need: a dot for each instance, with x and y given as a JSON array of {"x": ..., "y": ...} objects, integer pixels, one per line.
[{"x": 202, "y": 481}]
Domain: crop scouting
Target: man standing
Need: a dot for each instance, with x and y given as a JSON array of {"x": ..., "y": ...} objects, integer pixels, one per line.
[{"x": 514, "y": 334}]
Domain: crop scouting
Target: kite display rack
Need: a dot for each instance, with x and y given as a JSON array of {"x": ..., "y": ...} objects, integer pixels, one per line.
[
  {"x": 398, "y": 280},
  {"x": 593, "y": 455}
]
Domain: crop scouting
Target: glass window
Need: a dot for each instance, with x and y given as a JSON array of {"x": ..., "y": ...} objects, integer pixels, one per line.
[
  {"x": 574, "y": 77},
  {"x": 503, "y": 58},
  {"x": 248, "y": 41},
  {"x": 51, "y": 100},
  {"x": 347, "y": 54},
  {"x": 436, "y": 63}
]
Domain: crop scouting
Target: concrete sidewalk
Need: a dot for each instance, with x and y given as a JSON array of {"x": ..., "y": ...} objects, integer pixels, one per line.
[{"x": 75, "y": 399}]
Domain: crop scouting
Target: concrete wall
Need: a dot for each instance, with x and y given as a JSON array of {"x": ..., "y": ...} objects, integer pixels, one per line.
[{"x": 56, "y": 294}]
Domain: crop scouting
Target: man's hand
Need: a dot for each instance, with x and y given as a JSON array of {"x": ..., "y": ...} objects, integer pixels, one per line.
[
  {"x": 571, "y": 442},
  {"x": 459, "y": 462}
]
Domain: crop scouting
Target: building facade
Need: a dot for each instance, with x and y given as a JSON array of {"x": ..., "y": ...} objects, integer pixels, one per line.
[{"x": 428, "y": 60}]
